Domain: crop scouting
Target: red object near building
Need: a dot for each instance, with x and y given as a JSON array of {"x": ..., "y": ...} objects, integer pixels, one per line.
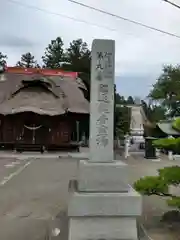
[{"x": 42, "y": 71}]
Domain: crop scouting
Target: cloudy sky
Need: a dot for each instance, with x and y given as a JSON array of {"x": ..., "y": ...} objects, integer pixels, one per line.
[{"x": 140, "y": 53}]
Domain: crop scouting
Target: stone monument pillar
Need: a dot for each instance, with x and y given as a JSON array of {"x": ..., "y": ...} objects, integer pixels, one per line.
[{"x": 102, "y": 205}]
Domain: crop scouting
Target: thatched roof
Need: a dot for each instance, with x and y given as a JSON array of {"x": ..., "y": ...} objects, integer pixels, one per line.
[{"x": 49, "y": 95}]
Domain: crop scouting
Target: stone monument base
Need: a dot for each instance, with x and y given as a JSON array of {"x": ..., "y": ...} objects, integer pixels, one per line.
[
  {"x": 98, "y": 228},
  {"x": 102, "y": 205}
]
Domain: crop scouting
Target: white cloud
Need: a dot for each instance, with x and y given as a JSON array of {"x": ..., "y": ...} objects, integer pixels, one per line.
[{"x": 139, "y": 52}]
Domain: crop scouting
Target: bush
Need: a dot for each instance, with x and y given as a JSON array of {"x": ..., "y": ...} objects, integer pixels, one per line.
[
  {"x": 170, "y": 175},
  {"x": 171, "y": 144},
  {"x": 151, "y": 185},
  {"x": 176, "y": 124},
  {"x": 159, "y": 185}
]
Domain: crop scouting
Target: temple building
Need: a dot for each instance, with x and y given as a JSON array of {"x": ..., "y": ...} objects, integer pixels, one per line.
[{"x": 39, "y": 108}]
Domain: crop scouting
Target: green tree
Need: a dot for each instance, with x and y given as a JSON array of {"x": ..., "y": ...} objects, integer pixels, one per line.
[
  {"x": 154, "y": 113},
  {"x": 130, "y": 100},
  {"x": 54, "y": 54},
  {"x": 79, "y": 56},
  {"x": 121, "y": 115},
  {"x": 158, "y": 113},
  {"x": 167, "y": 177},
  {"x": 167, "y": 89},
  {"x": 151, "y": 115},
  {"x": 27, "y": 61},
  {"x": 118, "y": 99},
  {"x": 121, "y": 121},
  {"x": 77, "y": 59},
  {"x": 3, "y": 59},
  {"x": 160, "y": 185}
]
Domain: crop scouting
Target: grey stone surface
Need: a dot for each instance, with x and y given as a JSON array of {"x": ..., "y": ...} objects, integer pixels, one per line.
[
  {"x": 100, "y": 177},
  {"x": 102, "y": 205},
  {"x": 105, "y": 204},
  {"x": 136, "y": 125},
  {"x": 31, "y": 199},
  {"x": 102, "y": 228},
  {"x": 102, "y": 101}
]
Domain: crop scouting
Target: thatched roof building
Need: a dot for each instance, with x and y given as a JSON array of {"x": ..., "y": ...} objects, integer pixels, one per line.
[
  {"x": 40, "y": 99},
  {"x": 51, "y": 95}
]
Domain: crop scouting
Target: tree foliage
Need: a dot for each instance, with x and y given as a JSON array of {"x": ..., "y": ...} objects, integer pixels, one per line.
[
  {"x": 75, "y": 58},
  {"x": 167, "y": 89},
  {"x": 122, "y": 115},
  {"x": 54, "y": 54},
  {"x": 160, "y": 185},
  {"x": 166, "y": 143},
  {"x": 154, "y": 113},
  {"x": 176, "y": 124},
  {"x": 157, "y": 113},
  {"x": 166, "y": 92},
  {"x": 130, "y": 100},
  {"x": 3, "y": 59},
  {"x": 79, "y": 56},
  {"x": 122, "y": 121},
  {"x": 27, "y": 61},
  {"x": 120, "y": 100},
  {"x": 151, "y": 185}
]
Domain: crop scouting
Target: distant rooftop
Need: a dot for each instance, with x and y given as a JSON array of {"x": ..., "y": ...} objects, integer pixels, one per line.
[{"x": 166, "y": 127}]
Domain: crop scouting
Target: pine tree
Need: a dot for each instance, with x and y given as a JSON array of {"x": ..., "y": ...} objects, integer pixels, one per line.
[
  {"x": 27, "y": 61},
  {"x": 3, "y": 59},
  {"x": 54, "y": 54},
  {"x": 78, "y": 55}
]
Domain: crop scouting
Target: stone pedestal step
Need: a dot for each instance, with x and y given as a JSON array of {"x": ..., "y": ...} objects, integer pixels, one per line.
[
  {"x": 93, "y": 204},
  {"x": 102, "y": 228},
  {"x": 100, "y": 177}
]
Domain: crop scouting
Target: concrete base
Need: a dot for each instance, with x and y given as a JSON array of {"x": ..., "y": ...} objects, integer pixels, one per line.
[
  {"x": 102, "y": 228},
  {"x": 100, "y": 177},
  {"x": 102, "y": 205}
]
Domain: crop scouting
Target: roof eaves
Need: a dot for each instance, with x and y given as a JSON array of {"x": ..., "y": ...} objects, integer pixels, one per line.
[{"x": 166, "y": 127}]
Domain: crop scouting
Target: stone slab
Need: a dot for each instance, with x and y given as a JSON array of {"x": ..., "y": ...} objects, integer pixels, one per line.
[
  {"x": 102, "y": 100},
  {"x": 102, "y": 177},
  {"x": 104, "y": 204},
  {"x": 102, "y": 228}
]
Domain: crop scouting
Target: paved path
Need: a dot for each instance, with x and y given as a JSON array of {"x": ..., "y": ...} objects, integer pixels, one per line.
[
  {"x": 33, "y": 191},
  {"x": 136, "y": 118}
]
